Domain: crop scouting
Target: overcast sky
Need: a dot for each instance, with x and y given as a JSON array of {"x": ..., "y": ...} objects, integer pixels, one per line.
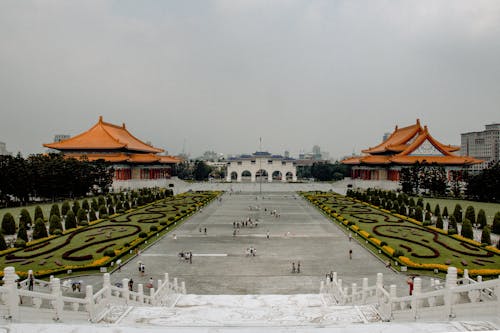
[{"x": 217, "y": 75}]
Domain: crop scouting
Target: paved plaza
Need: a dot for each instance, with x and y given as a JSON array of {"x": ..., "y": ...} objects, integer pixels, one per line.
[{"x": 220, "y": 262}]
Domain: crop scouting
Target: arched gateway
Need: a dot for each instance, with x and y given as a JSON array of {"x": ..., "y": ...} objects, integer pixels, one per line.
[{"x": 261, "y": 166}]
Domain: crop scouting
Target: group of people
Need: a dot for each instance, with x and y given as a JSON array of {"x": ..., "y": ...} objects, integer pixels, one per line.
[
  {"x": 186, "y": 256},
  {"x": 251, "y": 251},
  {"x": 142, "y": 269},
  {"x": 296, "y": 269},
  {"x": 246, "y": 223}
]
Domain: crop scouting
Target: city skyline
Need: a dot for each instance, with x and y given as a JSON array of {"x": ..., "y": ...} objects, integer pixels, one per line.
[{"x": 197, "y": 76}]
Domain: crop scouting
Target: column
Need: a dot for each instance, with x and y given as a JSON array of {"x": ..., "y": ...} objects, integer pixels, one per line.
[{"x": 12, "y": 300}]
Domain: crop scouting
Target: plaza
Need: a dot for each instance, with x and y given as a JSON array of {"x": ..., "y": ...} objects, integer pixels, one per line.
[{"x": 221, "y": 265}]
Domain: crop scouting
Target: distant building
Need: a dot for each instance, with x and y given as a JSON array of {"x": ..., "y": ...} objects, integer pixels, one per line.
[
  {"x": 61, "y": 137},
  {"x": 131, "y": 158},
  {"x": 484, "y": 145},
  {"x": 405, "y": 147},
  {"x": 3, "y": 149},
  {"x": 261, "y": 166}
]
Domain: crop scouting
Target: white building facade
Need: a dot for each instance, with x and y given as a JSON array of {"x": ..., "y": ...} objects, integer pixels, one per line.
[{"x": 261, "y": 166}]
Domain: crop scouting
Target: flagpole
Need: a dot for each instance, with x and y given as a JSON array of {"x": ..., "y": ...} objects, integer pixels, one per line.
[{"x": 260, "y": 167}]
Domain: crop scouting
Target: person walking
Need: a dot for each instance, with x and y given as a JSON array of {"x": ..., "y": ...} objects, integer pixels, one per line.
[
  {"x": 350, "y": 237},
  {"x": 298, "y": 267},
  {"x": 31, "y": 280},
  {"x": 190, "y": 257},
  {"x": 205, "y": 230},
  {"x": 267, "y": 234},
  {"x": 293, "y": 267},
  {"x": 350, "y": 254},
  {"x": 130, "y": 284}
]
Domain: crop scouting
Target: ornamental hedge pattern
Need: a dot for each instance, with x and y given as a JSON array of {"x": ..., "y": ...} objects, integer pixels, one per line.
[
  {"x": 82, "y": 247},
  {"x": 414, "y": 245}
]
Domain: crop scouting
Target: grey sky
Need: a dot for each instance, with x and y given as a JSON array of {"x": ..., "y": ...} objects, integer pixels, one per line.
[{"x": 221, "y": 74}]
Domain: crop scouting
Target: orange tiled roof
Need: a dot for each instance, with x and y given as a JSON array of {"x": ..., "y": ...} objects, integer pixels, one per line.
[
  {"x": 104, "y": 136},
  {"x": 410, "y": 145},
  {"x": 126, "y": 158}
]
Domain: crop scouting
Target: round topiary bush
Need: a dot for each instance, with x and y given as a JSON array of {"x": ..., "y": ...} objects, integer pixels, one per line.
[
  {"x": 383, "y": 243},
  {"x": 20, "y": 243},
  {"x": 57, "y": 232},
  {"x": 171, "y": 218},
  {"x": 398, "y": 253},
  {"x": 8, "y": 224},
  {"x": 142, "y": 234},
  {"x": 153, "y": 228},
  {"x": 163, "y": 223},
  {"x": 109, "y": 253}
]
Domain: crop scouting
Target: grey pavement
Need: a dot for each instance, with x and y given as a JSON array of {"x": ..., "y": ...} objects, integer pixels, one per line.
[{"x": 220, "y": 264}]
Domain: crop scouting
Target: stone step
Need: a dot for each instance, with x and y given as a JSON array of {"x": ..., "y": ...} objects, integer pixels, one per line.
[{"x": 250, "y": 310}]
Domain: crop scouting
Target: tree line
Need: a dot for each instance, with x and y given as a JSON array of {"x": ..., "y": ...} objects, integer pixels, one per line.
[
  {"x": 50, "y": 177},
  {"x": 433, "y": 180}
]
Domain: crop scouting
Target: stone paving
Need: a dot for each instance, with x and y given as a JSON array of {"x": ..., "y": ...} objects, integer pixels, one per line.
[{"x": 220, "y": 264}]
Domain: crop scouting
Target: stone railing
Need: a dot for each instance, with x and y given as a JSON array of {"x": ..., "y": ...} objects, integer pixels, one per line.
[
  {"x": 456, "y": 298},
  {"x": 17, "y": 303}
]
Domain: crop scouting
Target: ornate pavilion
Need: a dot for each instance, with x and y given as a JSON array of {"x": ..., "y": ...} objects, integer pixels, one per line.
[
  {"x": 404, "y": 147},
  {"x": 131, "y": 158}
]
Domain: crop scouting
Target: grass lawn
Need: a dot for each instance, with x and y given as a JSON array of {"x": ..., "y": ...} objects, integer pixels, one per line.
[
  {"x": 489, "y": 208},
  {"x": 86, "y": 246},
  {"x": 420, "y": 244}
]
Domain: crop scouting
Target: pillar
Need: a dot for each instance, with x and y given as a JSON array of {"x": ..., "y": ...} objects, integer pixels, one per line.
[
  {"x": 58, "y": 303},
  {"x": 12, "y": 300},
  {"x": 125, "y": 291},
  {"x": 167, "y": 281},
  {"x": 365, "y": 290},
  {"x": 379, "y": 284},
  {"x": 449, "y": 299},
  {"x": 269, "y": 177},
  {"x": 106, "y": 284},
  {"x": 417, "y": 290},
  {"x": 89, "y": 297},
  {"x": 140, "y": 291}
]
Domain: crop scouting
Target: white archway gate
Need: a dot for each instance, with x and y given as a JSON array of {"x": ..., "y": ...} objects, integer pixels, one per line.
[{"x": 270, "y": 167}]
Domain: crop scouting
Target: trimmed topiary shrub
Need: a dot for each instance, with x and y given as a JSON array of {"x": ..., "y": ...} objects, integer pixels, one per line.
[
  {"x": 81, "y": 216},
  {"x": 92, "y": 215},
  {"x": 428, "y": 207},
  {"x": 452, "y": 223},
  {"x": 75, "y": 207},
  {"x": 481, "y": 219},
  {"x": 40, "y": 230},
  {"x": 25, "y": 218},
  {"x": 54, "y": 210},
  {"x": 383, "y": 243},
  {"x": 163, "y": 223},
  {"x": 54, "y": 224},
  {"x": 418, "y": 214},
  {"x": 126, "y": 205},
  {"x": 398, "y": 253},
  {"x": 8, "y": 224},
  {"x": 486, "y": 236},
  {"x": 94, "y": 205},
  {"x": 109, "y": 253},
  {"x": 142, "y": 234},
  {"x": 496, "y": 223},
  {"x": 470, "y": 214},
  {"x": 171, "y": 218},
  {"x": 57, "y": 232},
  {"x": 153, "y": 228},
  {"x": 439, "y": 222},
  {"x": 437, "y": 210},
  {"x": 22, "y": 234},
  {"x": 111, "y": 211},
  {"x": 3, "y": 245},
  {"x": 20, "y": 243},
  {"x": 38, "y": 213},
  {"x": 85, "y": 205},
  {"x": 103, "y": 212},
  {"x": 65, "y": 208},
  {"x": 445, "y": 212},
  {"x": 101, "y": 201},
  {"x": 70, "y": 221},
  {"x": 457, "y": 213},
  {"x": 467, "y": 229}
]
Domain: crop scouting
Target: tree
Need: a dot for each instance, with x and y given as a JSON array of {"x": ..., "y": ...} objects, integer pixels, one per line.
[
  {"x": 439, "y": 222},
  {"x": 22, "y": 234},
  {"x": 85, "y": 205},
  {"x": 485, "y": 186},
  {"x": 55, "y": 224},
  {"x": 481, "y": 219},
  {"x": 427, "y": 216},
  {"x": 25, "y": 218},
  {"x": 81, "y": 216},
  {"x": 420, "y": 203},
  {"x": 70, "y": 221},
  {"x": 92, "y": 215},
  {"x": 54, "y": 210},
  {"x": 445, "y": 211},
  {"x": 201, "y": 170},
  {"x": 419, "y": 214},
  {"x": 94, "y": 204},
  {"x": 3, "y": 244},
  {"x": 457, "y": 213},
  {"x": 452, "y": 225},
  {"x": 496, "y": 223},
  {"x": 428, "y": 207},
  {"x": 65, "y": 208},
  {"x": 76, "y": 207},
  {"x": 38, "y": 213},
  {"x": 485, "y": 236},
  {"x": 40, "y": 230},
  {"x": 8, "y": 224},
  {"x": 467, "y": 229},
  {"x": 470, "y": 214},
  {"x": 103, "y": 212},
  {"x": 437, "y": 210}
]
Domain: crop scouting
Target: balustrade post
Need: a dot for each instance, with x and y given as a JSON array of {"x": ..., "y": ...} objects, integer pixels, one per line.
[
  {"x": 415, "y": 302},
  {"x": 176, "y": 285},
  {"x": 322, "y": 286},
  {"x": 466, "y": 276},
  {"x": 335, "y": 276},
  {"x": 497, "y": 292},
  {"x": 89, "y": 298},
  {"x": 354, "y": 292},
  {"x": 12, "y": 301},
  {"x": 106, "y": 284},
  {"x": 449, "y": 299},
  {"x": 479, "y": 278},
  {"x": 365, "y": 290},
  {"x": 183, "y": 287},
  {"x": 167, "y": 281},
  {"x": 380, "y": 284},
  {"x": 58, "y": 303},
  {"x": 392, "y": 295},
  {"x": 125, "y": 290},
  {"x": 140, "y": 291}
]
